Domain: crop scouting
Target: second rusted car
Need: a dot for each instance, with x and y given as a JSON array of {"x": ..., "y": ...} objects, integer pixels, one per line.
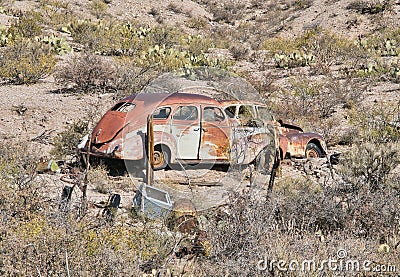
[{"x": 293, "y": 142}]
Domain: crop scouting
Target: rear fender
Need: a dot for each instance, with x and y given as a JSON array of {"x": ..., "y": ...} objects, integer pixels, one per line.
[{"x": 163, "y": 138}]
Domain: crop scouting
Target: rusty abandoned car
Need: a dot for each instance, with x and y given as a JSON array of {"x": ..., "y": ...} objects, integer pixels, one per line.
[
  {"x": 293, "y": 142},
  {"x": 188, "y": 129}
]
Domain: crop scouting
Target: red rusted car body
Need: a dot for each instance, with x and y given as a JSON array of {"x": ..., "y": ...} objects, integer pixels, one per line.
[
  {"x": 293, "y": 142},
  {"x": 188, "y": 128}
]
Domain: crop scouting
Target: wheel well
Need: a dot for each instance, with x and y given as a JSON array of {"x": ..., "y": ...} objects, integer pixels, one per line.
[
  {"x": 163, "y": 147},
  {"x": 317, "y": 143}
]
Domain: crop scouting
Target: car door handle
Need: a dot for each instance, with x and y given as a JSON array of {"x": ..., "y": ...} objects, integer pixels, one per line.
[
  {"x": 196, "y": 129},
  {"x": 204, "y": 130}
]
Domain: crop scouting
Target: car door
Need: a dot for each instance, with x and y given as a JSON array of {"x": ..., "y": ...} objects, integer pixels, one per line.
[
  {"x": 185, "y": 128},
  {"x": 215, "y": 134}
]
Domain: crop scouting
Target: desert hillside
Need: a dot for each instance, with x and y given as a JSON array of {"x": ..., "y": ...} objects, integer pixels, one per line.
[{"x": 331, "y": 67}]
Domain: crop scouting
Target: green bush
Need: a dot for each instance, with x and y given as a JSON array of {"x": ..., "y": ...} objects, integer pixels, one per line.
[
  {"x": 383, "y": 43},
  {"x": 130, "y": 77},
  {"x": 57, "y": 44},
  {"x": 26, "y": 61},
  {"x": 5, "y": 36}
]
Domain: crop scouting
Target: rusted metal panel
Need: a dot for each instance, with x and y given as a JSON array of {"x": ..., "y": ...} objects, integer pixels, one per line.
[
  {"x": 294, "y": 141},
  {"x": 215, "y": 140}
]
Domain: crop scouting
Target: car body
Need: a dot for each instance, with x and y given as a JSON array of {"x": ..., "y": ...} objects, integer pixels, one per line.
[
  {"x": 293, "y": 142},
  {"x": 188, "y": 128}
]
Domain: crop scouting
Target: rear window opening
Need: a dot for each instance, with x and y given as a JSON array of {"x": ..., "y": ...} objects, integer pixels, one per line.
[{"x": 123, "y": 107}]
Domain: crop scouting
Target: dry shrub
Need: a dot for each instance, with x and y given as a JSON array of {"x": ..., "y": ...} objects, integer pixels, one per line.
[
  {"x": 66, "y": 142},
  {"x": 313, "y": 100},
  {"x": 376, "y": 124},
  {"x": 236, "y": 234},
  {"x": 239, "y": 51},
  {"x": 302, "y": 4},
  {"x": 130, "y": 78},
  {"x": 370, "y": 6},
  {"x": 332, "y": 49},
  {"x": 86, "y": 73},
  {"x": 61, "y": 246},
  {"x": 27, "y": 25},
  {"x": 173, "y": 7},
  {"x": 264, "y": 84},
  {"x": 198, "y": 23},
  {"x": 21, "y": 194},
  {"x": 313, "y": 104},
  {"x": 98, "y": 178},
  {"x": 227, "y": 12},
  {"x": 300, "y": 221},
  {"x": 56, "y": 14},
  {"x": 369, "y": 165},
  {"x": 98, "y": 8}
]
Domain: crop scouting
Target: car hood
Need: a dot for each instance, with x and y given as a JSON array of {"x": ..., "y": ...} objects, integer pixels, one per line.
[{"x": 109, "y": 126}]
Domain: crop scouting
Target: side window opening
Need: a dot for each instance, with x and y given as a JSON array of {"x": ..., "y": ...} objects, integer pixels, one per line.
[
  {"x": 246, "y": 112},
  {"x": 213, "y": 114},
  {"x": 230, "y": 111},
  {"x": 186, "y": 113},
  {"x": 162, "y": 113},
  {"x": 123, "y": 107}
]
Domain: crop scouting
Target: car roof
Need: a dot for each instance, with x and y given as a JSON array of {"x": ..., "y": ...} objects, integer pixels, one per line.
[
  {"x": 170, "y": 98},
  {"x": 237, "y": 102}
]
